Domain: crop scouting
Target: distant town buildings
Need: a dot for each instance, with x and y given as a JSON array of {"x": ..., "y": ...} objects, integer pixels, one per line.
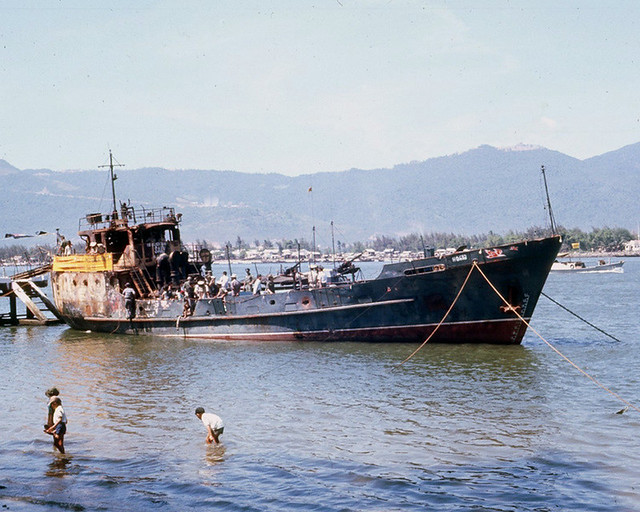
[{"x": 632, "y": 246}]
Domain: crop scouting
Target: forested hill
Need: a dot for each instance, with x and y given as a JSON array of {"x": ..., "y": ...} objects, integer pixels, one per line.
[{"x": 481, "y": 190}]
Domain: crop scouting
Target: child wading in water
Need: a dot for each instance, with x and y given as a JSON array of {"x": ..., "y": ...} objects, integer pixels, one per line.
[
  {"x": 214, "y": 425},
  {"x": 59, "y": 427},
  {"x": 50, "y": 393}
]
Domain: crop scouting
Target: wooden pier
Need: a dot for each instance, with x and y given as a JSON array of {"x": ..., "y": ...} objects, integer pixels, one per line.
[{"x": 27, "y": 287}]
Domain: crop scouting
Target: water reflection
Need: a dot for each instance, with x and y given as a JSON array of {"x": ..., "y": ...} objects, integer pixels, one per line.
[
  {"x": 215, "y": 454},
  {"x": 59, "y": 466}
]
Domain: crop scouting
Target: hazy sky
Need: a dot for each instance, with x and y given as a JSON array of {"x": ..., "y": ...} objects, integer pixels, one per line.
[{"x": 304, "y": 86}]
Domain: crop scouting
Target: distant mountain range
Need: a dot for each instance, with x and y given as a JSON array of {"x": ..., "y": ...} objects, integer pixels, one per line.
[{"x": 481, "y": 190}]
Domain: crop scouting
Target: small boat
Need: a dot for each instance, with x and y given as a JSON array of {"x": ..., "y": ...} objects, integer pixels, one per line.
[
  {"x": 579, "y": 266},
  {"x": 407, "y": 302}
]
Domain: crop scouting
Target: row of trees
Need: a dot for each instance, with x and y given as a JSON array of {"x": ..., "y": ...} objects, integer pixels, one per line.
[{"x": 598, "y": 239}]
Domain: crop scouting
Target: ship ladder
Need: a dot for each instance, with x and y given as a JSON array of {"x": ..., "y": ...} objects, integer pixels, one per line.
[{"x": 141, "y": 282}]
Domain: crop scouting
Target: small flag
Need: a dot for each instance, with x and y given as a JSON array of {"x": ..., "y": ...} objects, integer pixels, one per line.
[{"x": 575, "y": 245}]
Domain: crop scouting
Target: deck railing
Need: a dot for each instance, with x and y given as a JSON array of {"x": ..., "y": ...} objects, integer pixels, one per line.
[{"x": 128, "y": 216}]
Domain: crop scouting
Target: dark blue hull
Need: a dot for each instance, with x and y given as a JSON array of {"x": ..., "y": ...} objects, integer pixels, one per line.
[{"x": 404, "y": 303}]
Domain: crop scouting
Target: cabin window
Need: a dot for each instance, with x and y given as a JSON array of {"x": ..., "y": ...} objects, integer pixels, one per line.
[{"x": 423, "y": 270}]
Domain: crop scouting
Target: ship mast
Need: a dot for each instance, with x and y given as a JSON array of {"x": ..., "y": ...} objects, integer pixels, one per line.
[
  {"x": 114, "y": 177},
  {"x": 546, "y": 190},
  {"x": 333, "y": 245}
]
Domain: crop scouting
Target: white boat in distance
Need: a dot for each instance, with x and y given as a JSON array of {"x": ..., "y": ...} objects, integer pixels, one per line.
[{"x": 579, "y": 266}]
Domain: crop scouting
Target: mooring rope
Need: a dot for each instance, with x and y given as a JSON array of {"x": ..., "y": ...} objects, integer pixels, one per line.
[
  {"x": 580, "y": 318},
  {"x": 511, "y": 308},
  {"x": 552, "y": 347},
  {"x": 443, "y": 318}
]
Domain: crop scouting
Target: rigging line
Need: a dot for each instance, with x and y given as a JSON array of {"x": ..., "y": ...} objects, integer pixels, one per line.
[
  {"x": 552, "y": 347},
  {"x": 445, "y": 315},
  {"x": 580, "y": 318}
]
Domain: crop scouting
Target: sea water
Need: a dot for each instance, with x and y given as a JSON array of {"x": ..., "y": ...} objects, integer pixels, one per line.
[{"x": 334, "y": 426}]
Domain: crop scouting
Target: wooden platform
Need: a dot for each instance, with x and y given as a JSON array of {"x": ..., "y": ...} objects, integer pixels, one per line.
[{"x": 35, "y": 300}]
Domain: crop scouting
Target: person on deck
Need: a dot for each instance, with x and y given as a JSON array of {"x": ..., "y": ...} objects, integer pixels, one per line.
[
  {"x": 163, "y": 269},
  {"x": 236, "y": 285},
  {"x": 257, "y": 285},
  {"x": 189, "y": 292},
  {"x": 201, "y": 289},
  {"x": 248, "y": 280},
  {"x": 313, "y": 276},
  {"x": 271, "y": 285},
  {"x": 322, "y": 277},
  {"x": 129, "y": 295},
  {"x": 223, "y": 282}
]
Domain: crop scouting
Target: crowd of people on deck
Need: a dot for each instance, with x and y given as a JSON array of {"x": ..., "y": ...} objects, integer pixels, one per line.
[
  {"x": 205, "y": 286},
  {"x": 174, "y": 282}
]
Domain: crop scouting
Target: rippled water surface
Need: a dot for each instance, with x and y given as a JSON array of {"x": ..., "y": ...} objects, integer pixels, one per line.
[{"x": 333, "y": 427}]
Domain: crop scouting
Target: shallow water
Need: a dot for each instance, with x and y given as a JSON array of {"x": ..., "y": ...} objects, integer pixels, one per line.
[{"x": 332, "y": 427}]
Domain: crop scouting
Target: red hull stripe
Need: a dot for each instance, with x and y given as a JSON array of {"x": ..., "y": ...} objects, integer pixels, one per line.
[{"x": 496, "y": 331}]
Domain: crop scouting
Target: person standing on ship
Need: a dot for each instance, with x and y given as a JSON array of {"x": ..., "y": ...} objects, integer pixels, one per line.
[
  {"x": 201, "y": 289},
  {"x": 248, "y": 280},
  {"x": 236, "y": 285},
  {"x": 129, "y": 295},
  {"x": 163, "y": 269},
  {"x": 224, "y": 281},
  {"x": 257, "y": 285},
  {"x": 322, "y": 277},
  {"x": 271, "y": 285}
]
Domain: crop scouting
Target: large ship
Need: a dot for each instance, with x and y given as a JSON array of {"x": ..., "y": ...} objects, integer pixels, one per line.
[{"x": 406, "y": 302}]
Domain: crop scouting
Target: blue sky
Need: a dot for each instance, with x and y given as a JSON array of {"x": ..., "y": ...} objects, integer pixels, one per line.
[{"x": 301, "y": 86}]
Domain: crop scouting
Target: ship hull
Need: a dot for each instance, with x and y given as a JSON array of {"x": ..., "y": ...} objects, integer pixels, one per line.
[{"x": 407, "y": 302}]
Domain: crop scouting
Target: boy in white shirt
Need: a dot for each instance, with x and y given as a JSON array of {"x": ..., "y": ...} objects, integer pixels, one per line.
[
  {"x": 59, "y": 427},
  {"x": 214, "y": 424}
]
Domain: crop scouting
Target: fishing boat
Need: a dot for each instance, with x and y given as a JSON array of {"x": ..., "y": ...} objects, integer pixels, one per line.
[
  {"x": 406, "y": 302},
  {"x": 578, "y": 266}
]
